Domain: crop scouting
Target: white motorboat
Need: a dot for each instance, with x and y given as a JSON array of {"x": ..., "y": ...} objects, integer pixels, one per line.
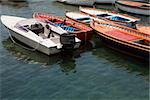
[
  {"x": 43, "y": 37},
  {"x": 105, "y": 1},
  {"x": 78, "y": 2}
]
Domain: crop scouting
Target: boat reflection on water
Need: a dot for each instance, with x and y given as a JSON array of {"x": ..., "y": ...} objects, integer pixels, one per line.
[
  {"x": 65, "y": 60},
  {"x": 120, "y": 60},
  {"x": 67, "y": 64}
]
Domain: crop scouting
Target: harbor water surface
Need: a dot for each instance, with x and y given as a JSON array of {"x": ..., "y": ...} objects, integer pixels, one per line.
[{"x": 90, "y": 73}]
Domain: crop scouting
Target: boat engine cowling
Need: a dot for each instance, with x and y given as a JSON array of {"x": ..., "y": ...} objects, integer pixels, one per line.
[{"x": 68, "y": 41}]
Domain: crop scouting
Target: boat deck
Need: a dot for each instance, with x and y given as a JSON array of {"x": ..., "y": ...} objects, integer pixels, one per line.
[{"x": 122, "y": 35}]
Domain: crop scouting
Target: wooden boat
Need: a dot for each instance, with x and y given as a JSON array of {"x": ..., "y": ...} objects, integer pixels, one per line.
[
  {"x": 122, "y": 19},
  {"x": 133, "y": 7},
  {"x": 125, "y": 40},
  {"x": 82, "y": 31},
  {"x": 105, "y": 1},
  {"x": 43, "y": 37},
  {"x": 78, "y": 2}
]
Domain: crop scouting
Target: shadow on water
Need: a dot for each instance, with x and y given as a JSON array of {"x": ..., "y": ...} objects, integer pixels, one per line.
[
  {"x": 66, "y": 7},
  {"x": 64, "y": 59},
  {"x": 15, "y": 3},
  {"x": 120, "y": 60}
]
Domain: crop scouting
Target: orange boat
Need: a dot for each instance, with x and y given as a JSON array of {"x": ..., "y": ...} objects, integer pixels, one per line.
[
  {"x": 82, "y": 31},
  {"x": 125, "y": 40},
  {"x": 133, "y": 7}
]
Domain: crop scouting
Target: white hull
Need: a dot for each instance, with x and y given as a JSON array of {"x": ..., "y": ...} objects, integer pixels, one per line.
[
  {"x": 34, "y": 44},
  {"x": 78, "y": 2},
  {"x": 104, "y": 1},
  {"x": 38, "y": 46},
  {"x": 133, "y": 10}
]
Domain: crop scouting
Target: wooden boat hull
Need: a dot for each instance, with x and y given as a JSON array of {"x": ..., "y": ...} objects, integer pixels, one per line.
[
  {"x": 124, "y": 43},
  {"x": 85, "y": 33},
  {"x": 123, "y": 48},
  {"x": 132, "y": 9},
  {"x": 85, "y": 36}
]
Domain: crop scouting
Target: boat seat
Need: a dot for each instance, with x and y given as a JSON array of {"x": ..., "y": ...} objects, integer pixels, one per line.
[
  {"x": 42, "y": 35},
  {"x": 70, "y": 29},
  {"x": 56, "y": 40},
  {"x": 117, "y": 18},
  {"x": 60, "y": 24}
]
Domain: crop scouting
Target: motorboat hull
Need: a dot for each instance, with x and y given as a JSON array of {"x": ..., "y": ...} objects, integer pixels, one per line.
[
  {"x": 38, "y": 46},
  {"x": 49, "y": 46},
  {"x": 34, "y": 44}
]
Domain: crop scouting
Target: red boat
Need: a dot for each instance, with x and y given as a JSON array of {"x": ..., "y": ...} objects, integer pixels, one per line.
[
  {"x": 82, "y": 31},
  {"x": 126, "y": 40}
]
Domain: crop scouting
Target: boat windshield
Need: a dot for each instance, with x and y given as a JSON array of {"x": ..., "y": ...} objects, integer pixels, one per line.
[
  {"x": 23, "y": 28},
  {"x": 26, "y": 25}
]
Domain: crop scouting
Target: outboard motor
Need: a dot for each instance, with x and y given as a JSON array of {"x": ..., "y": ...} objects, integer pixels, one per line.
[{"x": 68, "y": 41}]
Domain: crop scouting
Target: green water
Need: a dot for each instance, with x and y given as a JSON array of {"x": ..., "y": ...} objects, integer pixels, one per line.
[{"x": 98, "y": 73}]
